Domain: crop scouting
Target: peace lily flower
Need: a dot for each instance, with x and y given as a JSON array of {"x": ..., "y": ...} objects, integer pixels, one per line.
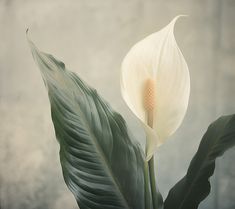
[{"x": 155, "y": 84}]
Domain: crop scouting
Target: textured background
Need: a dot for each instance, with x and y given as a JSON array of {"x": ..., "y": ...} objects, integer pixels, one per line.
[{"x": 92, "y": 37}]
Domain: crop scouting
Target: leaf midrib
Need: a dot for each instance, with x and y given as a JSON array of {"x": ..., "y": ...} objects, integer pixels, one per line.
[{"x": 104, "y": 160}]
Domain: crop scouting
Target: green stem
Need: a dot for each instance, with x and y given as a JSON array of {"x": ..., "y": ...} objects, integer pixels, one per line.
[
  {"x": 153, "y": 182},
  {"x": 147, "y": 189}
]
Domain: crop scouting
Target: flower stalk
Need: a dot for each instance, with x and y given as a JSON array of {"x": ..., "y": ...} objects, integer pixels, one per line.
[
  {"x": 149, "y": 104},
  {"x": 147, "y": 188},
  {"x": 153, "y": 182}
]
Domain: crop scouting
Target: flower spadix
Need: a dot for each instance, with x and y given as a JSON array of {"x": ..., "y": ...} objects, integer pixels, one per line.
[{"x": 155, "y": 84}]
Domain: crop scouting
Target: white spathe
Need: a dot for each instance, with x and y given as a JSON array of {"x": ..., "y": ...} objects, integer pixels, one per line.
[{"x": 157, "y": 57}]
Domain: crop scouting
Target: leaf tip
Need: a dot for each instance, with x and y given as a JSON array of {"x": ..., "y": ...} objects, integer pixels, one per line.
[
  {"x": 27, "y": 34},
  {"x": 172, "y": 23}
]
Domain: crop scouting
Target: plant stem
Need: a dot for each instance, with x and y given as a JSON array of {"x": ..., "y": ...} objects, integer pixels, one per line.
[
  {"x": 147, "y": 189},
  {"x": 149, "y": 104},
  {"x": 153, "y": 182},
  {"x": 151, "y": 167}
]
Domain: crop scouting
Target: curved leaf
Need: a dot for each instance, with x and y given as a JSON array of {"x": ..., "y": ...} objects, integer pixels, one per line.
[
  {"x": 195, "y": 186},
  {"x": 101, "y": 165}
]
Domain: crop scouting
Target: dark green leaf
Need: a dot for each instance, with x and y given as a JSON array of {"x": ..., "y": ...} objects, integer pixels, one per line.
[
  {"x": 195, "y": 186},
  {"x": 101, "y": 165}
]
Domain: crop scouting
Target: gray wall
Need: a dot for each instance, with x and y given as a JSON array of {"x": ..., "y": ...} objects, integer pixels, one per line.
[{"x": 92, "y": 37}]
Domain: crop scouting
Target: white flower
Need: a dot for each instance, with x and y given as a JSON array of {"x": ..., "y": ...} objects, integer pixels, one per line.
[{"x": 155, "y": 84}]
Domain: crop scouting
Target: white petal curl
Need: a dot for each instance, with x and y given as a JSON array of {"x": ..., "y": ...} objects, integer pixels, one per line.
[{"x": 157, "y": 57}]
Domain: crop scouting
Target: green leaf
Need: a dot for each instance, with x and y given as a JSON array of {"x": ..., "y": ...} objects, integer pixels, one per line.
[
  {"x": 102, "y": 166},
  {"x": 195, "y": 186}
]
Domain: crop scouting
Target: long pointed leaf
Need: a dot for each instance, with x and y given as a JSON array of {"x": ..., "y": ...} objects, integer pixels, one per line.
[
  {"x": 195, "y": 186},
  {"x": 101, "y": 165}
]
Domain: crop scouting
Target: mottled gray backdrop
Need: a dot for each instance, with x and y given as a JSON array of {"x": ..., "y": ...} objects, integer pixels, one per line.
[{"x": 92, "y": 37}]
